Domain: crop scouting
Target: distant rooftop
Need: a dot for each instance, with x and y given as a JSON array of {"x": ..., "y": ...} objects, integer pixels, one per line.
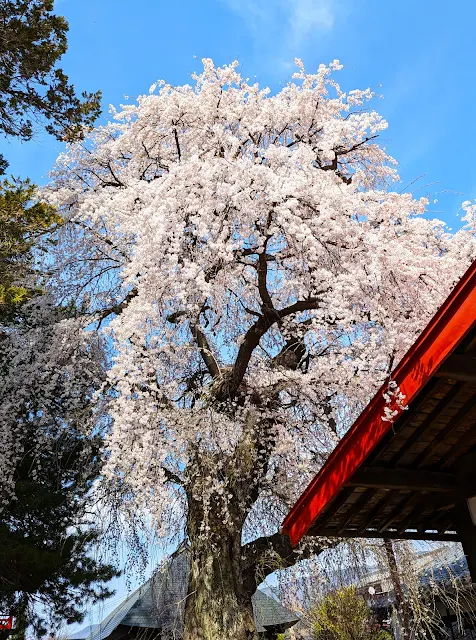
[{"x": 159, "y": 604}]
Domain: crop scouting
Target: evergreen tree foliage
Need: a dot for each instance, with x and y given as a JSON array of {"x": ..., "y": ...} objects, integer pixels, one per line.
[
  {"x": 23, "y": 223},
  {"x": 50, "y": 453},
  {"x": 51, "y": 446},
  {"x": 32, "y": 87},
  {"x": 47, "y": 566}
]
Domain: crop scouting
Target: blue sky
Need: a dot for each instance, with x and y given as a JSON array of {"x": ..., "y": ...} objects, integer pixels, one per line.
[{"x": 419, "y": 55}]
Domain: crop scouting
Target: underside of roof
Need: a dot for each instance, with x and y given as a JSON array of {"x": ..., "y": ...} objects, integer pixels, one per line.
[
  {"x": 411, "y": 483},
  {"x": 407, "y": 479}
]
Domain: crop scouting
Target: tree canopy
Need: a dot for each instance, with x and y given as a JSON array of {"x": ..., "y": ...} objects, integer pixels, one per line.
[
  {"x": 262, "y": 277},
  {"x": 32, "y": 87}
]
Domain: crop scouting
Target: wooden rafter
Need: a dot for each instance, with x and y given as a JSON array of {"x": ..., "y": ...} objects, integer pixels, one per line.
[{"x": 410, "y": 479}]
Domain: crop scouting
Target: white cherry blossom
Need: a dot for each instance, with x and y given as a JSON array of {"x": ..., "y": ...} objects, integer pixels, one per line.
[{"x": 259, "y": 274}]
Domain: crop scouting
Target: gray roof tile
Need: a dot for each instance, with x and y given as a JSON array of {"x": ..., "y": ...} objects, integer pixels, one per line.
[{"x": 160, "y": 602}]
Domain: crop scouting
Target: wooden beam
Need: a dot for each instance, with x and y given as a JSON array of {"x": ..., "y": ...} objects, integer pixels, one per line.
[
  {"x": 392, "y": 535},
  {"x": 428, "y": 422},
  {"x": 396, "y": 512},
  {"x": 374, "y": 512},
  {"x": 415, "y": 511},
  {"x": 458, "y": 367},
  {"x": 356, "y": 508},
  {"x": 467, "y": 535},
  {"x": 452, "y": 457},
  {"x": 424, "y": 457},
  {"x": 404, "y": 479},
  {"x": 447, "y": 523},
  {"x": 335, "y": 505},
  {"x": 436, "y": 501}
]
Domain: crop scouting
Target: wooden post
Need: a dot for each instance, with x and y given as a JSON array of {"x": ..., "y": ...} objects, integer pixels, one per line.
[
  {"x": 467, "y": 533},
  {"x": 402, "y": 606}
]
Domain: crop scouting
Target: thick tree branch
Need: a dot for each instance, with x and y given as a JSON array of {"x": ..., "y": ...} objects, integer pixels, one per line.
[
  {"x": 172, "y": 477},
  {"x": 265, "y": 296},
  {"x": 263, "y": 281},
  {"x": 257, "y": 331},
  {"x": 117, "y": 308},
  {"x": 205, "y": 350},
  {"x": 201, "y": 341},
  {"x": 265, "y": 555},
  {"x": 179, "y": 152}
]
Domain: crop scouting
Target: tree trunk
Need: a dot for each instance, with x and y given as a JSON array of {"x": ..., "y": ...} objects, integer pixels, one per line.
[{"x": 218, "y": 605}]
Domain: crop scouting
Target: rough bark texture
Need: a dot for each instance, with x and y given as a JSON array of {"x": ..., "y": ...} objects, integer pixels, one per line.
[
  {"x": 215, "y": 608},
  {"x": 218, "y": 605}
]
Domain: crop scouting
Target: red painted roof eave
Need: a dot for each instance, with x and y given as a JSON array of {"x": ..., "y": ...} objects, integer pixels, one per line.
[{"x": 455, "y": 318}]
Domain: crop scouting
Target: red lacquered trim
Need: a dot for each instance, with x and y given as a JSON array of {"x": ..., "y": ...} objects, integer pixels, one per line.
[{"x": 455, "y": 318}]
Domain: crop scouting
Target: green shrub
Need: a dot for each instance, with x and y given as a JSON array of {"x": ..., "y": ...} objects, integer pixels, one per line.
[{"x": 344, "y": 615}]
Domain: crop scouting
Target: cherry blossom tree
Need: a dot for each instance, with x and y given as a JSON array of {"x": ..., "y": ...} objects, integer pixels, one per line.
[{"x": 259, "y": 277}]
